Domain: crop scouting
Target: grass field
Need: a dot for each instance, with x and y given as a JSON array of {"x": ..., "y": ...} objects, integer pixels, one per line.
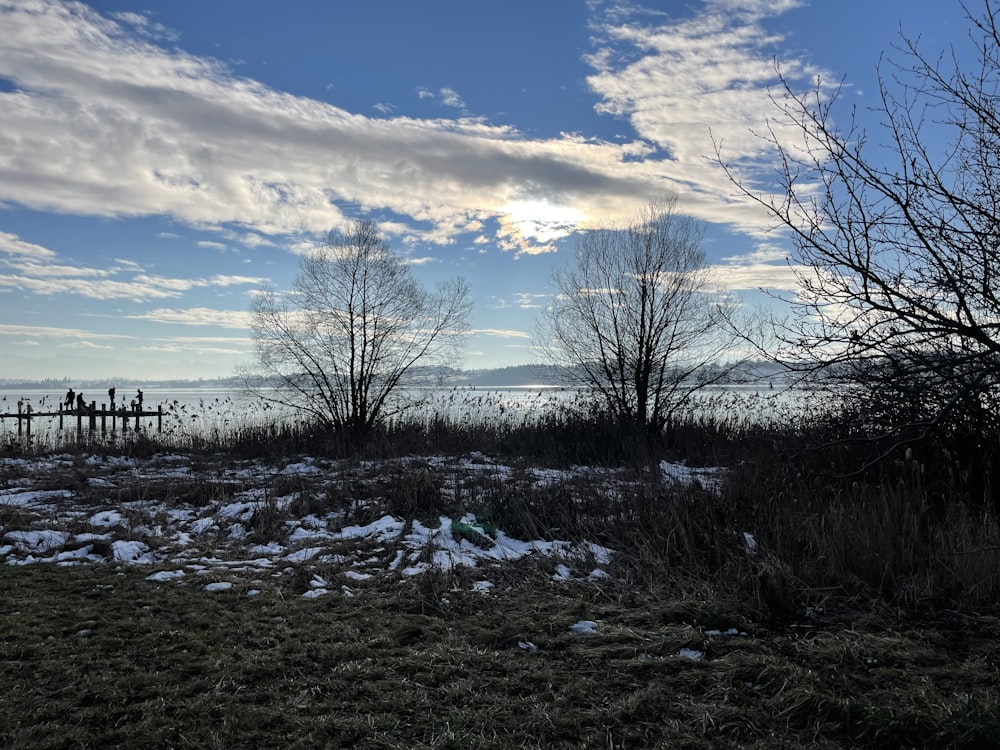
[{"x": 92, "y": 657}]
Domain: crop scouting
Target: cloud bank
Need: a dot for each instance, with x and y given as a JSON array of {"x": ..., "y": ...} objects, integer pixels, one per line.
[{"x": 102, "y": 119}]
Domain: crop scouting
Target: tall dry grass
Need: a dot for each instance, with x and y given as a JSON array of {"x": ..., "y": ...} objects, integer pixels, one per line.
[{"x": 901, "y": 533}]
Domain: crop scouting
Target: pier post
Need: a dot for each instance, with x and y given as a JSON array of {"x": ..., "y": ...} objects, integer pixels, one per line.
[
  {"x": 93, "y": 416},
  {"x": 104, "y": 416}
]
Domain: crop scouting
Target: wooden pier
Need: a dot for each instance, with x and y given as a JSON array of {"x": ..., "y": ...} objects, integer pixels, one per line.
[{"x": 89, "y": 415}]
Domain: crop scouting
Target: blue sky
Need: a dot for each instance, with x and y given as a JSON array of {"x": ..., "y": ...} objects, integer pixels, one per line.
[{"x": 161, "y": 162}]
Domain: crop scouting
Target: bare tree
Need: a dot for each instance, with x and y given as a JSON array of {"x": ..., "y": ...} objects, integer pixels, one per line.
[
  {"x": 634, "y": 320},
  {"x": 342, "y": 345},
  {"x": 898, "y": 238}
]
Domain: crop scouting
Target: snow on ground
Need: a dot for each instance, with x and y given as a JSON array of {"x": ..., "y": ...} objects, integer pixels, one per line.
[
  {"x": 227, "y": 523},
  {"x": 709, "y": 478}
]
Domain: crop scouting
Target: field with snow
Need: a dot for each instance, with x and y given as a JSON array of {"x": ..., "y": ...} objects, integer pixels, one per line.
[
  {"x": 200, "y": 600},
  {"x": 251, "y": 522}
]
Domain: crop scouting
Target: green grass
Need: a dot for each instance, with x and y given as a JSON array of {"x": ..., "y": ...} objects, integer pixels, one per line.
[{"x": 92, "y": 657}]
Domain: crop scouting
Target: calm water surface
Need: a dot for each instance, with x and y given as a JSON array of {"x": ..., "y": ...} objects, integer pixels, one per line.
[{"x": 213, "y": 409}]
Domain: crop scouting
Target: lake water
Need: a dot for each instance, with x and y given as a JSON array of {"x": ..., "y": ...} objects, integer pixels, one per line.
[{"x": 216, "y": 410}]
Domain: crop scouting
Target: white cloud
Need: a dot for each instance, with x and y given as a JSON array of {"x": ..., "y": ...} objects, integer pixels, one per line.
[
  {"x": 450, "y": 98},
  {"x": 50, "y": 332},
  {"x": 107, "y": 121},
  {"x": 531, "y": 301},
  {"x": 501, "y": 333},
  {"x": 146, "y": 27},
  {"x": 685, "y": 85},
  {"x": 229, "y": 280},
  {"x": 14, "y": 245},
  {"x": 201, "y": 345},
  {"x": 197, "y": 316},
  {"x": 756, "y": 275},
  {"x": 87, "y": 345},
  {"x": 33, "y": 269},
  {"x": 102, "y": 289}
]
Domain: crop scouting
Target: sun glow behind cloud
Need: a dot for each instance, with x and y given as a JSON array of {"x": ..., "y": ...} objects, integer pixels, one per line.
[{"x": 531, "y": 226}]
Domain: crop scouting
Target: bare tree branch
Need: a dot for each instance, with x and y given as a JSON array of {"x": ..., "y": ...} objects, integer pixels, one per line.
[
  {"x": 345, "y": 342},
  {"x": 634, "y": 318}
]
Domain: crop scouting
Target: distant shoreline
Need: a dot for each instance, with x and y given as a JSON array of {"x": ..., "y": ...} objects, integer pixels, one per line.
[{"x": 516, "y": 376}]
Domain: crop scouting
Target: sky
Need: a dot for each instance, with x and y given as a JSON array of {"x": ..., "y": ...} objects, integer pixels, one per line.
[{"x": 160, "y": 163}]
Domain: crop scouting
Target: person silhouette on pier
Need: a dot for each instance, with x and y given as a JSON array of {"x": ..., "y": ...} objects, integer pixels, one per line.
[
  {"x": 70, "y": 398},
  {"x": 138, "y": 398},
  {"x": 80, "y": 403},
  {"x": 111, "y": 397}
]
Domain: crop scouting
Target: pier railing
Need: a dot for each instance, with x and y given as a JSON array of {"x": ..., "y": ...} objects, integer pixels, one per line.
[{"x": 90, "y": 415}]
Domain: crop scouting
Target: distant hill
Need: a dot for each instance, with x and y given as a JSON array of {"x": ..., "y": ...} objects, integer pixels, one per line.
[
  {"x": 511, "y": 376},
  {"x": 502, "y": 377}
]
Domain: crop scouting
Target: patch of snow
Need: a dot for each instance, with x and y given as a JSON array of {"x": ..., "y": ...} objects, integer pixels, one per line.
[
  {"x": 77, "y": 555},
  {"x": 240, "y": 511},
  {"x": 301, "y": 555},
  {"x": 384, "y": 529},
  {"x": 24, "y": 497},
  {"x": 299, "y": 534},
  {"x": 306, "y": 467},
  {"x": 583, "y": 627},
  {"x": 482, "y": 587},
  {"x": 129, "y": 551},
  {"x": 602, "y": 555},
  {"x": 106, "y": 518},
  {"x": 202, "y": 525},
  {"x": 731, "y": 631},
  {"x": 165, "y": 575},
  {"x": 562, "y": 573},
  {"x": 690, "y": 653},
  {"x": 37, "y": 541},
  {"x": 218, "y": 586},
  {"x": 709, "y": 477},
  {"x": 396, "y": 560}
]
